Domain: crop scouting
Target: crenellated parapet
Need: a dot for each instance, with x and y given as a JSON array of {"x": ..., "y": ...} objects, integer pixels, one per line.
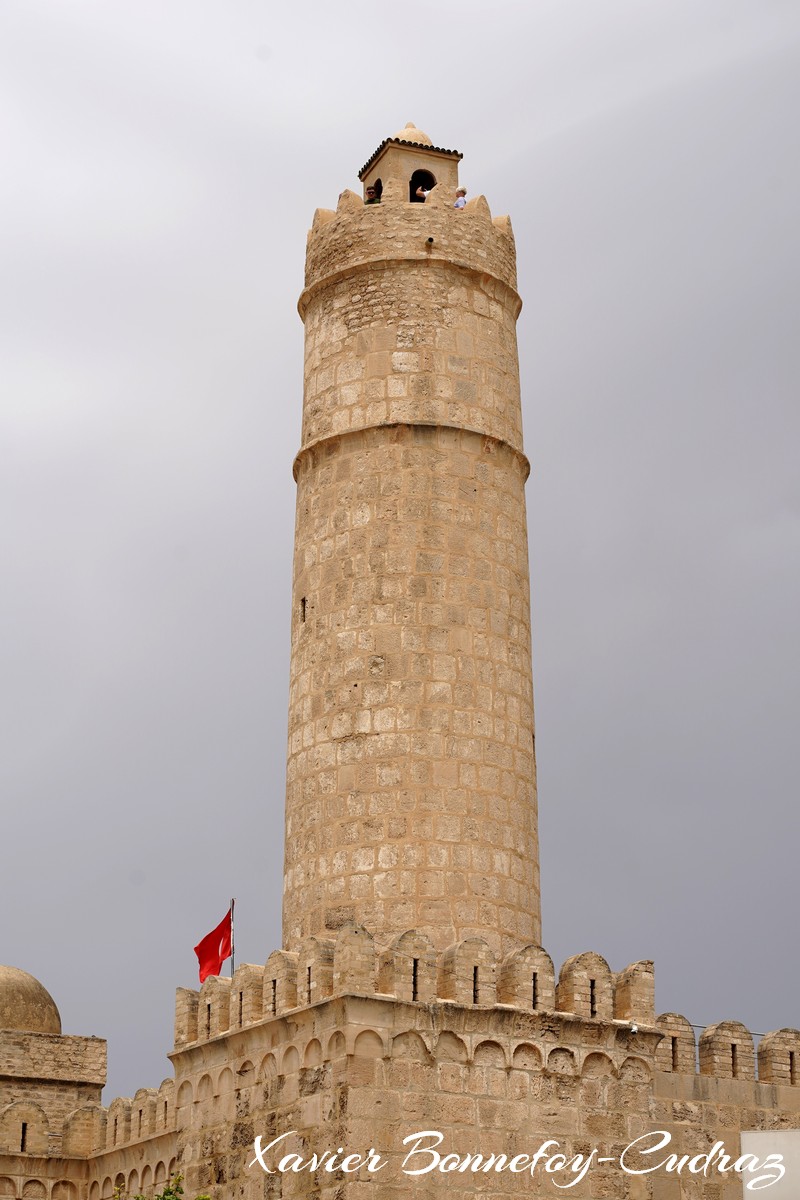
[
  {"x": 586, "y": 987},
  {"x": 779, "y": 1057},
  {"x": 408, "y": 968},
  {"x": 677, "y": 1050},
  {"x": 468, "y": 973},
  {"x": 726, "y": 1051},
  {"x": 85, "y": 1131},
  {"x": 358, "y": 236},
  {"x": 95, "y": 1130},
  {"x": 247, "y": 999},
  {"x": 527, "y": 977},
  {"x": 410, "y": 316},
  {"x": 280, "y": 1045},
  {"x": 118, "y": 1123},
  {"x": 280, "y": 983}
]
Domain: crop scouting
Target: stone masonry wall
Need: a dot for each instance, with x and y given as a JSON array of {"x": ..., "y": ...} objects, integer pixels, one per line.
[
  {"x": 44, "y": 1078},
  {"x": 472, "y": 1058},
  {"x": 411, "y": 341},
  {"x": 411, "y": 783},
  {"x": 343, "y": 1043}
]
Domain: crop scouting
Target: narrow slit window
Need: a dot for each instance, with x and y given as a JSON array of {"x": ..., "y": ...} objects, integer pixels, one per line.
[
  {"x": 308, "y": 985},
  {"x": 734, "y": 1061},
  {"x": 475, "y": 986},
  {"x": 139, "y": 1124},
  {"x": 241, "y": 1008},
  {"x": 23, "y": 1137},
  {"x": 535, "y": 990},
  {"x": 415, "y": 979},
  {"x": 115, "y": 1131},
  {"x": 592, "y": 998},
  {"x": 792, "y": 1068},
  {"x": 303, "y": 610},
  {"x": 274, "y": 997},
  {"x": 208, "y": 1020},
  {"x": 674, "y": 1054}
]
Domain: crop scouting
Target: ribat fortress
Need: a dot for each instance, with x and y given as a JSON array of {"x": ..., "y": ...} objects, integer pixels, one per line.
[{"x": 411, "y": 992}]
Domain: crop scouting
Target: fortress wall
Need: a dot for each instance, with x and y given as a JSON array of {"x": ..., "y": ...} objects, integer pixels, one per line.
[
  {"x": 141, "y": 1167},
  {"x": 367, "y": 1071},
  {"x": 39, "y": 1177},
  {"x": 490, "y": 1050}
]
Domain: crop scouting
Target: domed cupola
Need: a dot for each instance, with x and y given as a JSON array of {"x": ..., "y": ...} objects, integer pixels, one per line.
[
  {"x": 411, "y": 134},
  {"x": 26, "y": 1006}
]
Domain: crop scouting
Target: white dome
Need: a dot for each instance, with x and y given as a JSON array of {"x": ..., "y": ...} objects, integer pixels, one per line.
[{"x": 412, "y": 134}]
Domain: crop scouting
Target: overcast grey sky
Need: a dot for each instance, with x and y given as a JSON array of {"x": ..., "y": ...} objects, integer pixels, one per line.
[{"x": 161, "y": 166}]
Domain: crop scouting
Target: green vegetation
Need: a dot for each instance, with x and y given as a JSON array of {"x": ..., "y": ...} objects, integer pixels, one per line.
[{"x": 173, "y": 1190}]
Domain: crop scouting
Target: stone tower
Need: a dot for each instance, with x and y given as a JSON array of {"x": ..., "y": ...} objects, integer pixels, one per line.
[
  {"x": 411, "y": 1004},
  {"x": 411, "y": 787}
]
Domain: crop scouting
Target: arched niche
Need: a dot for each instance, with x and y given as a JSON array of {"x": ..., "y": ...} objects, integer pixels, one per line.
[{"x": 420, "y": 179}]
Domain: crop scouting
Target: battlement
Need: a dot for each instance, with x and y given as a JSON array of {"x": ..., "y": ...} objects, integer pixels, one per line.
[
  {"x": 726, "y": 1051},
  {"x": 471, "y": 975},
  {"x": 340, "y": 1007},
  {"x": 358, "y": 236},
  {"x": 468, "y": 973},
  {"x": 91, "y": 1128}
]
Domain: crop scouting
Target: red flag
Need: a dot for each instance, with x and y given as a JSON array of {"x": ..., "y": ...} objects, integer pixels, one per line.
[{"x": 215, "y": 948}]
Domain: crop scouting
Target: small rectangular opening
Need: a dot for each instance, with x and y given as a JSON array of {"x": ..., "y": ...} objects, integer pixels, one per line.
[
  {"x": 674, "y": 1054},
  {"x": 208, "y": 1020},
  {"x": 415, "y": 979},
  {"x": 166, "y": 1102},
  {"x": 274, "y": 997},
  {"x": 592, "y": 998},
  {"x": 24, "y": 1137},
  {"x": 734, "y": 1061},
  {"x": 241, "y": 1008},
  {"x": 308, "y": 985},
  {"x": 475, "y": 987},
  {"x": 303, "y": 609},
  {"x": 115, "y": 1130},
  {"x": 792, "y": 1068},
  {"x": 535, "y": 990},
  {"x": 139, "y": 1124}
]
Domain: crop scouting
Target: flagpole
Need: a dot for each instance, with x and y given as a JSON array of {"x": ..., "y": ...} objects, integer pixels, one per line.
[{"x": 233, "y": 951}]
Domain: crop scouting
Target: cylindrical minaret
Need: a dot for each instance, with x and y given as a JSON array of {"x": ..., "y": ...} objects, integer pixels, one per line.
[{"x": 411, "y": 789}]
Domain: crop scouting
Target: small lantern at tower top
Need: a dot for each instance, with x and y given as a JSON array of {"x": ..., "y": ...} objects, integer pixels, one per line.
[{"x": 407, "y": 161}]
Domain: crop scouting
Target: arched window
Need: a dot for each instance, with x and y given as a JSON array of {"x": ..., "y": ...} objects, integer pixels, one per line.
[{"x": 420, "y": 179}]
